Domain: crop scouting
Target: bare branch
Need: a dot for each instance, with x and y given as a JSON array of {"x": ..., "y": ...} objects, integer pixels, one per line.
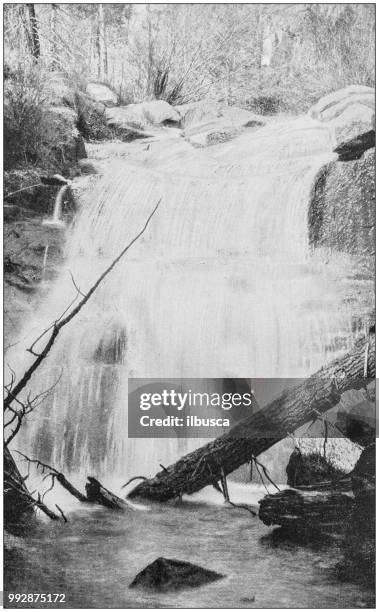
[
  {"x": 58, "y": 325},
  {"x": 134, "y": 478}
]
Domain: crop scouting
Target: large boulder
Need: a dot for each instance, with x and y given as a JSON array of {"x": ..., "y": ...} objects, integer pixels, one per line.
[
  {"x": 330, "y": 106},
  {"x": 204, "y": 129},
  {"x": 342, "y": 209},
  {"x": 195, "y": 113},
  {"x": 159, "y": 111},
  {"x": 350, "y": 111},
  {"x": 356, "y": 119},
  {"x": 142, "y": 115},
  {"x": 172, "y": 574},
  {"x": 355, "y": 147},
  {"x": 102, "y": 93}
]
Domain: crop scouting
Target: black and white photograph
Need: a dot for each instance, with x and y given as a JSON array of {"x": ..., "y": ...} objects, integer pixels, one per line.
[{"x": 189, "y": 305}]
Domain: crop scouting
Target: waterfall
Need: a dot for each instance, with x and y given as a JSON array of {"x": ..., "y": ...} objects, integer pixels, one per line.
[
  {"x": 57, "y": 213},
  {"x": 222, "y": 284}
]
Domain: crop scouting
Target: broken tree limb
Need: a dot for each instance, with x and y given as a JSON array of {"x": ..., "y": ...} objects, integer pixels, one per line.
[
  {"x": 307, "y": 511},
  {"x": 61, "y": 478},
  {"x": 254, "y": 435},
  {"x": 100, "y": 495}
]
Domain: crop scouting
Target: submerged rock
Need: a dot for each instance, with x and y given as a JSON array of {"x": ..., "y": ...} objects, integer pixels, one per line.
[{"x": 167, "y": 574}]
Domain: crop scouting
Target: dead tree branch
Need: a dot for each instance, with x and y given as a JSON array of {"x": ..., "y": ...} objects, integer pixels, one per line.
[
  {"x": 57, "y": 326},
  {"x": 252, "y": 436}
]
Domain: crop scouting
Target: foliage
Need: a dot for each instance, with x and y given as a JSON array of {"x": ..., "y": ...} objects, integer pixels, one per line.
[
  {"x": 34, "y": 132},
  {"x": 266, "y": 56}
]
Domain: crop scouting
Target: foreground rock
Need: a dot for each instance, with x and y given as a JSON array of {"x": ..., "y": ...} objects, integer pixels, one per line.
[{"x": 172, "y": 574}]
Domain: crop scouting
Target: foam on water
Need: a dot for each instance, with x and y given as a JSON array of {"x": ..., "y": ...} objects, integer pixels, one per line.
[{"x": 222, "y": 284}]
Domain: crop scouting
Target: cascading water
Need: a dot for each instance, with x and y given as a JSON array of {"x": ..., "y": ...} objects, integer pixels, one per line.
[
  {"x": 56, "y": 219},
  {"x": 222, "y": 284}
]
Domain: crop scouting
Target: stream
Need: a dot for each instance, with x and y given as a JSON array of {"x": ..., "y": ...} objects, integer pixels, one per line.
[
  {"x": 95, "y": 556},
  {"x": 223, "y": 284}
]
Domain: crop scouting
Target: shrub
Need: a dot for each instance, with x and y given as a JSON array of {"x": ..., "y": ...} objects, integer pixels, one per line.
[{"x": 36, "y": 133}]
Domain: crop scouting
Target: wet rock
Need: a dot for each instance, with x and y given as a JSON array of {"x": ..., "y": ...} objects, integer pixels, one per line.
[
  {"x": 229, "y": 123},
  {"x": 159, "y": 111},
  {"x": 355, "y": 147},
  {"x": 355, "y": 120},
  {"x": 342, "y": 208},
  {"x": 172, "y": 574},
  {"x": 140, "y": 116},
  {"x": 102, "y": 93},
  {"x": 350, "y": 111},
  {"x": 333, "y": 104}
]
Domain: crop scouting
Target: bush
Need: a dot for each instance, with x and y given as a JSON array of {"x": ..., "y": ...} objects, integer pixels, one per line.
[
  {"x": 36, "y": 133},
  {"x": 23, "y": 115}
]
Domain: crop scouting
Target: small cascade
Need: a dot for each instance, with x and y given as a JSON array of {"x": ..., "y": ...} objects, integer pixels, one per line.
[
  {"x": 56, "y": 220},
  {"x": 222, "y": 284},
  {"x": 44, "y": 262}
]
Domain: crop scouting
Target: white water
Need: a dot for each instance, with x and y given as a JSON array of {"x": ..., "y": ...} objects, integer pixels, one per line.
[
  {"x": 222, "y": 284},
  {"x": 56, "y": 219}
]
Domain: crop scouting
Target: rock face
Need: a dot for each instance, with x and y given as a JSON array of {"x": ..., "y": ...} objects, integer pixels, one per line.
[
  {"x": 350, "y": 111},
  {"x": 172, "y": 574},
  {"x": 342, "y": 209},
  {"x": 102, "y": 93}
]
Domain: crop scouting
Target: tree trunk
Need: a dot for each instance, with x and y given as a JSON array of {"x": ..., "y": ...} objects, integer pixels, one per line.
[
  {"x": 53, "y": 37},
  {"x": 19, "y": 510},
  {"x": 256, "y": 434},
  {"x": 102, "y": 45},
  {"x": 98, "y": 494},
  {"x": 35, "y": 48},
  {"x": 307, "y": 511}
]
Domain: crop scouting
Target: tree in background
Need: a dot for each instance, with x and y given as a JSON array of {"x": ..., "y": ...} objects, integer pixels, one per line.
[{"x": 270, "y": 57}]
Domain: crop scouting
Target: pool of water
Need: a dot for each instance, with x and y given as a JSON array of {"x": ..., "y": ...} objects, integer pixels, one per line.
[{"x": 95, "y": 556}]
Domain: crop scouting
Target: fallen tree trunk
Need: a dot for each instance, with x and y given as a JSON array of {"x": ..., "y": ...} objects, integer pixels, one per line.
[
  {"x": 307, "y": 511},
  {"x": 256, "y": 434},
  {"x": 98, "y": 494}
]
